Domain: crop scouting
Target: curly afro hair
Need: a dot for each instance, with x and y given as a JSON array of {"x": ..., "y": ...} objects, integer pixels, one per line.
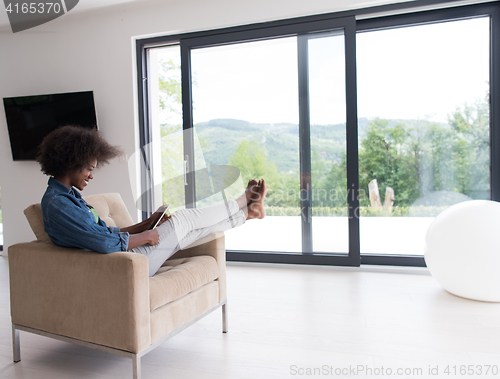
[{"x": 71, "y": 148}]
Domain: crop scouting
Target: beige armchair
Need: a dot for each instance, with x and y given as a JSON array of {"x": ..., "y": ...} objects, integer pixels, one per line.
[{"x": 107, "y": 301}]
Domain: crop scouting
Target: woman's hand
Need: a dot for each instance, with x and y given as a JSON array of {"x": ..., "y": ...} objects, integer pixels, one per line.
[
  {"x": 150, "y": 237},
  {"x": 164, "y": 218},
  {"x": 153, "y": 237},
  {"x": 142, "y": 226}
]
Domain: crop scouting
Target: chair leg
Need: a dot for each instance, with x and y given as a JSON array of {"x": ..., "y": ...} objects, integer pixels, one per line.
[
  {"x": 224, "y": 318},
  {"x": 136, "y": 363},
  {"x": 15, "y": 344}
]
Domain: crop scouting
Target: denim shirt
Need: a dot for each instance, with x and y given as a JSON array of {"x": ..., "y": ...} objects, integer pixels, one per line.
[{"x": 69, "y": 222}]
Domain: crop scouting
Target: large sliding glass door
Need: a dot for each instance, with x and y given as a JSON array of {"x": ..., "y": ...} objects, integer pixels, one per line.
[
  {"x": 424, "y": 128},
  {"x": 274, "y": 106}
]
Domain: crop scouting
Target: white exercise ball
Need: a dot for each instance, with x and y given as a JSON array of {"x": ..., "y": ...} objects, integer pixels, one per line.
[{"x": 462, "y": 250}]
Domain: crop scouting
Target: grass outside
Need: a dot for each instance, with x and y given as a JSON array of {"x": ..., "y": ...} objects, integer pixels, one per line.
[{"x": 418, "y": 211}]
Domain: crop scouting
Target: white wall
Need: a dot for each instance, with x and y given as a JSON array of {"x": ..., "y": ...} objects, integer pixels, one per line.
[{"x": 94, "y": 50}]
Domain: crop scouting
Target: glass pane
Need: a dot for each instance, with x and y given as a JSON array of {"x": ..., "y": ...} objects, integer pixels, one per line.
[
  {"x": 423, "y": 128},
  {"x": 166, "y": 125},
  {"x": 328, "y": 143},
  {"x": 245, "y": 100}
]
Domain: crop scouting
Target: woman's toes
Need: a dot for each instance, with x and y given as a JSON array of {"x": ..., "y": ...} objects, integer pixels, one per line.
[
  {"x": 251, "y": 190},
  {"x": 264, "y": 187}
]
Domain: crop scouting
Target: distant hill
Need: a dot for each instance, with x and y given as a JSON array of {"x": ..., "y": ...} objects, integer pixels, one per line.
[{"x": 281, "y": 140}]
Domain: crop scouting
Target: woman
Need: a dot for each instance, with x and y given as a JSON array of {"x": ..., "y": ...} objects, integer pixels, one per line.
[{"x": 70, "y": 154}]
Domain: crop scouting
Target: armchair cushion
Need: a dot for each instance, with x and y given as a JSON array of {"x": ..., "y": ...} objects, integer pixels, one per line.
[
  {"x": 178, "y": 277},
  {"x": 111, "y": 209},
  {"x": 34, "y": 215}
]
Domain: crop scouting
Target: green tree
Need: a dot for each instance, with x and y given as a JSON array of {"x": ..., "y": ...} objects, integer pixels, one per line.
[
  {"x": 287, "y": 192},
  {"x": 172, "y": 147},
  {"x": 253, "y": 163},
  {"x": 333, "y": 188},
  {"x": 438, "y": 156},
  {"x": 391, "y": 153},
  {"x": 417, "y": 158},
  {"x": 170, "y": 86},
  {"x": 170, "y": 99},
  {"x": 470, "y": 124}
]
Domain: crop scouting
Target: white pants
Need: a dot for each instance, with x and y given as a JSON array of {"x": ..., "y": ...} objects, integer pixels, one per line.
[{"x": 187, "y": 226}]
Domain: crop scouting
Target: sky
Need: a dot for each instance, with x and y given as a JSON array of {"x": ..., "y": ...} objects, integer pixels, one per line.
[
  {"x": 424, "y": 71},
  {"x": 419, "y": 72}
]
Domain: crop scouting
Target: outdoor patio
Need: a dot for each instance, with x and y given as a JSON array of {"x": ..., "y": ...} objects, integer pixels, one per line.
[{"x": 379, "y": 235}]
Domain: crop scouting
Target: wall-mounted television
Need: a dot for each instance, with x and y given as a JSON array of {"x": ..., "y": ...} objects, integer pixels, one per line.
[{"x": 31, "y": 118}]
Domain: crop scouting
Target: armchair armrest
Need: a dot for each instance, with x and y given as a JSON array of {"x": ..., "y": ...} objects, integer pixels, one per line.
[
  {"x": 93, "y": 297},
  {"x": 213, "y": 245}
]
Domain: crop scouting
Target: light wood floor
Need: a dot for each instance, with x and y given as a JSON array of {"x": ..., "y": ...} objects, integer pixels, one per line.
[{"x": 283, "y": 321}]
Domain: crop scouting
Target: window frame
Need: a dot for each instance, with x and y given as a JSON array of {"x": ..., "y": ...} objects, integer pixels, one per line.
[{"x": 361, "y": 20}]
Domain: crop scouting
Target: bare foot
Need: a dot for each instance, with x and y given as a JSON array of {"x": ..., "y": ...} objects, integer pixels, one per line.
[
  {"x": 256, "y": 207},
  {"x": 251, "y": 190}
]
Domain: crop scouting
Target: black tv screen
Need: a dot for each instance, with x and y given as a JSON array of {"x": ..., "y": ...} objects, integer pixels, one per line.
[{"x": 31, "y": 118}]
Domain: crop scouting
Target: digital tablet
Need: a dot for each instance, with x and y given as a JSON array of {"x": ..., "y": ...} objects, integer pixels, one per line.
[{"x": 161, "y": 211}]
